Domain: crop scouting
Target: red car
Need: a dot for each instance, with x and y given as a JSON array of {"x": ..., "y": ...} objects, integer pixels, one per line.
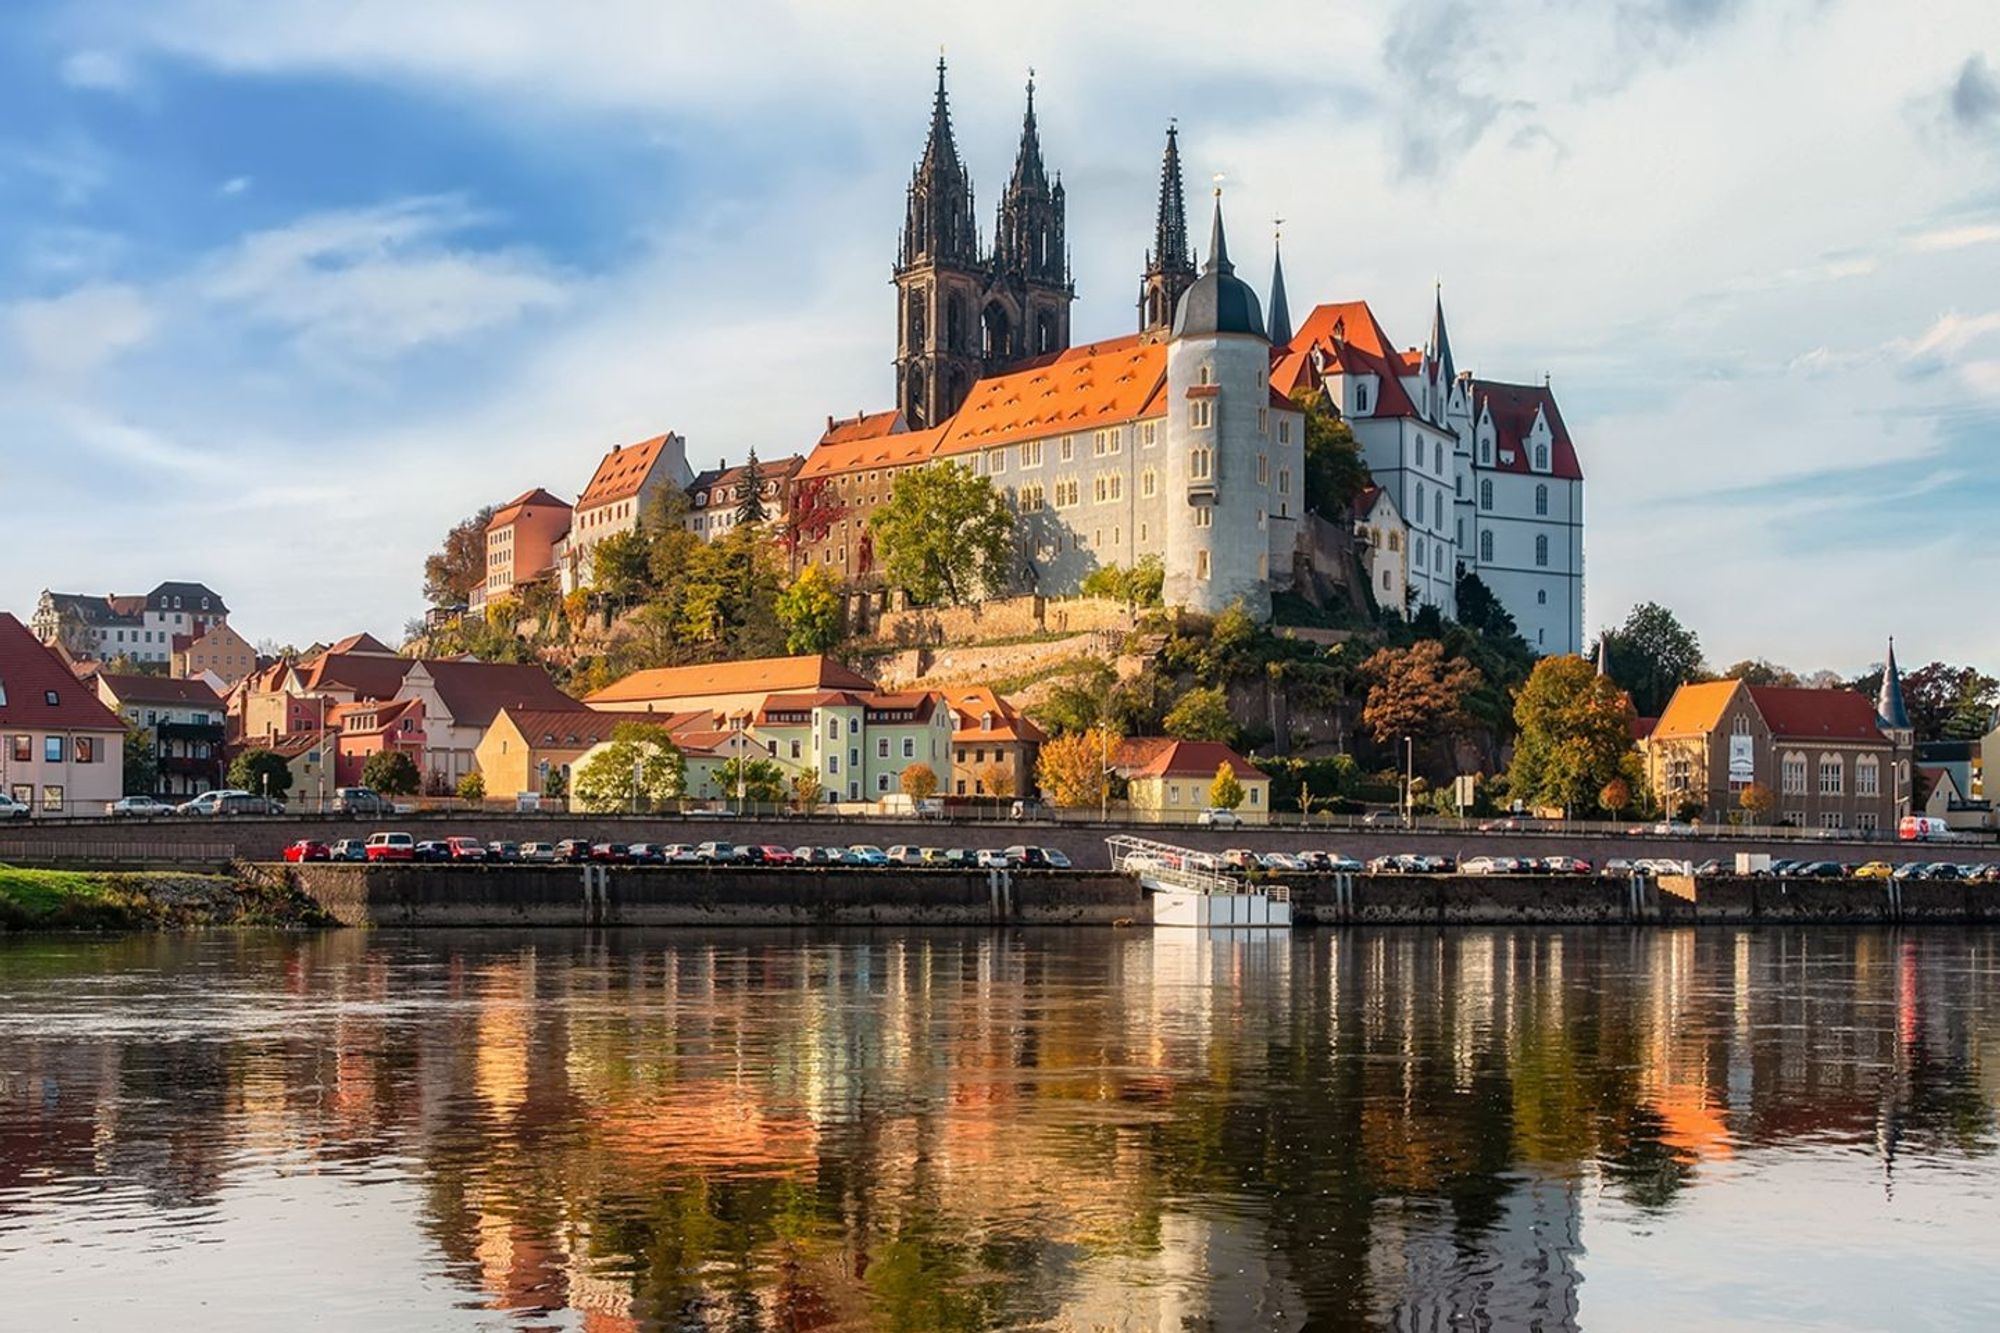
[
  {"x": 779, "y": 856},
  {"x": 465, "y": 849},
  {"x": 305, "y": 849}
]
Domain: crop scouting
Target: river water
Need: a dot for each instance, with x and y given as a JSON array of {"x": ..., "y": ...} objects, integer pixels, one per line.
[{"x": 1082, "y": 1130}]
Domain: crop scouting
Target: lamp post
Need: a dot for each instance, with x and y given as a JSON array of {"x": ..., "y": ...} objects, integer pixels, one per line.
[{"x": 1409, "y": 780}]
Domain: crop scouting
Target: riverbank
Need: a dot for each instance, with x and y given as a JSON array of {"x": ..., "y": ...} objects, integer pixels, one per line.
[{"x": 94, "y": 900}]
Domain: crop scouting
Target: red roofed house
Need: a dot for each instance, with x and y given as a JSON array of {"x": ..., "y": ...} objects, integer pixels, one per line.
[
  {"x": 61, "y": 750},
  {"x": 1826, "y": 755},
  {"x": 460, "y": 701},
  {"x": 1169, "y": 780},
  {"x": 715, "y": 495},
  {"x": 185, "y": 722},
  {"x": 994, "y": 746},
  {"x": 626, "y": 480},
  {"x": 521, "y": 541}
]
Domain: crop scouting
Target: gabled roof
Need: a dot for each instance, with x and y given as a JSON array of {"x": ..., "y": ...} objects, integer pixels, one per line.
[
  {"x": 97, "y": 612},
  {"x": 581, "y": 728},
  {"x": 190, "y": 594},
  {"x": 878, "y": 451},
  {"x": 1513, "y": 407},
  {"x": 30, "y": 674},
  {"x": 1801, "y": 714},
  {"x": 970, "y": 707},
  {"x": 1095, "y": 385},
  {"x": 1349, "y": 340},
  {"x": 760, "y": 675},
  {"x": 863, "y": 426},
  {"x": 363, "y": 642},
  {"x": 292, "y": 744},
  {"x": 514, "y": 508},
  {"x": 475, "y": 692},
  {"x": 622, "y": 472},
  {"x": 730, "y": 478},
  {"x": 365, "y": 675},
  {"x": 136, "y": 689},
  {"x": 1195, "y": 759},
  {"x": 1368, "y": 497}
]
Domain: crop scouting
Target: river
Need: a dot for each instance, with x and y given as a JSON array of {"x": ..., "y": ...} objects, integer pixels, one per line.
[{"x": 1088, "y": 1130}]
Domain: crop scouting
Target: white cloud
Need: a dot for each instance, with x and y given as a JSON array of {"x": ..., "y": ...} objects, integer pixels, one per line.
[
  {"x": 98, "y": 71},
  {"x": 235, "y": 185},
  {"x": 1955, "y": 238},
  {"x": 74, "y": 334}
]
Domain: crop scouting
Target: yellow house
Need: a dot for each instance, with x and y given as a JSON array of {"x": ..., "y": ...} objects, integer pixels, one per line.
[
  {"x": 1170, "y": 780},
  {"x": 220, "y": 650},
  {"x": 525, "y": 745}
]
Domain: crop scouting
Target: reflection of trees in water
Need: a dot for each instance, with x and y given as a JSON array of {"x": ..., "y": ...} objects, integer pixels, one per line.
[{"x": 961, "y": 1130}]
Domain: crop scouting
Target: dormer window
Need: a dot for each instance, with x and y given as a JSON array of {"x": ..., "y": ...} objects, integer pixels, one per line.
[
  {"x": 1541, "y": 458},
  {"x": 986, "y": 721},
  {"x": 1360, "y": 399},
  {"x": 51, "y": 698}
]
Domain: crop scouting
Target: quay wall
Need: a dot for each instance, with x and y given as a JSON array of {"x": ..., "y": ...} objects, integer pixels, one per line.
[{"x": 359, "y": 895}]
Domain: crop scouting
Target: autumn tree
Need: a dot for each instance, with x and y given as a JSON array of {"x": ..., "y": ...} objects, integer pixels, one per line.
[
  {"x": 998, "y": 779},
  {"x": 141, "y": 760},
  {"x": 472, "y": 787},
  {"x": 807, "y": 792},
  {"x": 1417, "y": 692},
  {"x": 619, "y": 567},
  {"x": 458, "y": 566},
  {"x": 920, "y": 782},
  {"x": 1202, "y": 715},
  {"x": 945, "y": 534},
  {"x": 1651, "y": 655},
  {"x": 810, "y": 611},
  {"x": 1574, "y": 731},
  {"x": 1225, "y": 793},
  {"x": 639, "y": 767},
  {"x": 1615, "y": 797},
  {"x": 1071, "y": 772},
  {"x": 1945, "y": 702},
  {"x": 1758, "y": 801}
]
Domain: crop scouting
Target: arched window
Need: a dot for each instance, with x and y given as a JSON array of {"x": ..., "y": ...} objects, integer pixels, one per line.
[
  {"x": 998, "y": 331},
  {"x": 1417, "y": 549},
  {"x": 1831, "y": 772},
  {"x": 1541, "y": 458},
  {"x": 1486, "y": 547},
  {"x": 1360, "y": 399},
  {"x": 1437, "y": 556},
  {"x": 1396, "y": 541},
  {"x": 1542, "y": 549},
  {"x": 1417, "y": 511},
  {"x": 1437, "y": 510},
  {"x": 1867, "y": 776},
  {"x": 1542, "y": 500},
  {"x": 1437, "y": 457},
  {"x": 954, "y": 322},
  {"x": 1486, "y": 495},
  {"x": 1793, "y": 774}
]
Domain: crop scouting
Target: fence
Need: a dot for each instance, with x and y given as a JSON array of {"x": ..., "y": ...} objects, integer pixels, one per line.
[{"x": 104, "y": 852}]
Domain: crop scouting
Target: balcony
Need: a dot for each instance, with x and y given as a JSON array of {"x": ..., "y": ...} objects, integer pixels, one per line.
[{"x": 212, "y": 732}]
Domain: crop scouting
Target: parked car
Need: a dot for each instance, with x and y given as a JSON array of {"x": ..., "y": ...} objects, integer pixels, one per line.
[
  {"x": 1027, "y": 858},
  {"x": 1712, "y": 866},
  {"x": 1874, "y": 870},
  {"x": 1565, "y": 865},
  {"x": 646, "y": 854},
  {"x": 1342, "y": 865},
  {"x": 136, "y": 807},
  {"x": 1055, "y": 858},
  {"x": 1389, "y": 864},
  {"x": 1283, "y": 862},
  {"x": 391, "y": 847},
  {"x": 361, "y": 801},
  {"x": 902, "y": 854},
  {"x": 774, "y": 855},
  {"x": 538, "y": 853},
  {"x": 349, "y": 849},
  {"x": 464, "y": 849},
  {"x": 1616, "y": 867},
  {"x": 990, "y": 858},
  {"x": 1485, "y": 865},
  {"x": 229, "y": 801},
  {"x": 679, "y": 853},
  {"x": 432, "y": 850},
  {"x": 610, "y": 853},
  {"x": 308, "y": 849},
  {"x": 502, "y": 851},
  {"x": 861, "y": 854},
  {"x": 11, "y": 808},
  {"x": 1214, "y": 817},
  {"x": 573, "y": 851},
  {"x": 718, "y": 853},
  {"x": 958, "y": 858}
]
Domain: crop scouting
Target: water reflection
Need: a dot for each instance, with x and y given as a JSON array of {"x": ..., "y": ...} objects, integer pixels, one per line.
[{"x": 978, "y": 1130}]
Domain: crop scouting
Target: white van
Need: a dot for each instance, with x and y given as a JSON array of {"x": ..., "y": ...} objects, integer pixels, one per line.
[{"x": 1922, "y": 828}]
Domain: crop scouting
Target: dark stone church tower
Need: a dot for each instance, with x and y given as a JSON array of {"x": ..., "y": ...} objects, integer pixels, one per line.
[
  {"x": 1170, "y": 265},
  {"x": 962, "y": 314}
]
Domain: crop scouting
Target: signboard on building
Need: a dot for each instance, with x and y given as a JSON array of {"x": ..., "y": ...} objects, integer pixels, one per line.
[{"x": 1742, "y": 760}]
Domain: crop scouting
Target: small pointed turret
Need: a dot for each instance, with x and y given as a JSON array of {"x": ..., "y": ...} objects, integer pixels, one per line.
[
  {"x": 1440, "y": 348},
  {"x": 1169, "y": 265},
  {"x": 1281, "y": 313},
  {"x": 1889, "y": 703},
  {"x": 1219, "y": 301}
]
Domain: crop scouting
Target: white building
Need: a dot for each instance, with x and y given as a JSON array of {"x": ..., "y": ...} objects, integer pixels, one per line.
[
  {"x": 1384, "y": 538},
  {"x": 140, "y": 628},
  {"x": 625, "y": 481}
]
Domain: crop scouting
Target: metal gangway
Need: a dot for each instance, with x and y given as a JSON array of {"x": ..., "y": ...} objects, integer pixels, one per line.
[{"x": 1190, "y": 887}]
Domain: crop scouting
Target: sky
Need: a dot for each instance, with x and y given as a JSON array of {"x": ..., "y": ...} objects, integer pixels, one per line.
[{"x": 287, "y": 288}]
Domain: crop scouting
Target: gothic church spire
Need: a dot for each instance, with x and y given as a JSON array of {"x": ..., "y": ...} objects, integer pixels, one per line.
[
  {"x": 1169, "y": 265},
  {"x": 1281, "y": 313}
]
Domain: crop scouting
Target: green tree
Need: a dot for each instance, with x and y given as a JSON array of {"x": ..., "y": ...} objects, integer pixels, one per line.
[
  {"x": 1651, "y": 655},
  {"x": 1225, "y": 793},
  {"x": 1334, "y": 472},
  {"x": 1574, "y": 731},
  {"x": 1758, "y": 671},
  {"x": 1077, "y": 701},
  {"x": 640, "y": 767},
  {"x": 1140, "y": 585},
  {"x": 807, "y": 792},
  {"x": 750, "y": 494},
  {"x": 810, "y": 611},
  {"x": 619, "y": 567},
  {"x": 1480, "y": 610},
  {"x": 391, "y": 772},
  {"x": 1202, "y": 715},
  {"x": 472, "y": 787},
  {"x": 945, "y": 535},
  {"x": 459, "y": 565},
  {"x": 142, "y": 765},
  {"x": 920, "y": 782},
  {"x": 763, "y": 782},
  {"x": 263, "y": 772}
]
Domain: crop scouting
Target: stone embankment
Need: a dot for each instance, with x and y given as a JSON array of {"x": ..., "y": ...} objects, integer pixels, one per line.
[{"x": 151, "y": 900}]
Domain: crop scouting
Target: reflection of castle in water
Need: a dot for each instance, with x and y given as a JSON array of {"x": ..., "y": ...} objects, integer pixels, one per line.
[{"x": 956, "y": 1130}]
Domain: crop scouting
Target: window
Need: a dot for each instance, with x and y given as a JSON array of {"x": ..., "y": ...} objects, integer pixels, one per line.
[
  {"x": 1541, "y": 597},
  {"x": 1486, "y": 495},
  {"x": 51, "y": 698},
  {"x": 1204, "y": 516},
  {"x": 1830, "y": 819},
  {"x": 86, "y": 749},
  {"x": 1437, "y": 556},
  {"x": 795, "y": 749},
  {"x": 1201, "y": 564},
  {"x": 1263, "y": 470},
  {"x": 1541, "y": 500},
  {"x": 1149, "y": 432},
  {"x": 1541, "y": 549},
  {"x": 1109, "y": 487},
  {"x": 1284, "y": 481},
  {"x": 1437, "y": 510},
  {"x": 1031, "y": 454},
  {"x": 881, "y": 747},
  {"x": 52, "y": 749},
  {"x": 1198, "y": 414},
  {"x": 833, "y": 763},
  {"x": 1831, "y": 772},
  {"x": 1437, "y": 456},
  {"x": 1360, "y": 399},
  {"x": 833, "y": 728},
  {"x": 1541, "y": 458},
  {"x": 52, "y": 799},
  {"x": 1263, "y": 421},
  {"x": 1203, "y": 375},
  {"x": 1792, "y": 775},
  {"x": 881, "y": 782},
  {"x": 1865, "y": 821},
  {"x": 1867, "y": 776},
  {"x": 1284, "y": 430},
  {"x": 1067, "y": 449},
  {"x": 909, "y": 747},
  {"x": 1199, "y": 462},
  {"x": 1417, "y": 510},
  {"x": 1417, "y": 552},
  {"x": 996, "y": 462},
  {"x": 1149, "y": 483}
]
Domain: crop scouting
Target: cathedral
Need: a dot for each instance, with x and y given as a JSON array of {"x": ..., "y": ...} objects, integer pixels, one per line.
[{"x": 1183, "y": 439}]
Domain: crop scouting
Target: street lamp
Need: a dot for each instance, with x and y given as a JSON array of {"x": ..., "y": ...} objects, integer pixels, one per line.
[{"x": 1409, "y": 780}]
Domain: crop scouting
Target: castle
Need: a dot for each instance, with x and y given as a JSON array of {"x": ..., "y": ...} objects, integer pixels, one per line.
[{"x": 1183, "y": 440}]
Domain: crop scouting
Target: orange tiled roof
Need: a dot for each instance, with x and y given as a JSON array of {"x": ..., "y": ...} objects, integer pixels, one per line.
[
  {"x": 510, "y": 511},
  {"x": 622, "y": 472},
  {"x": 1791, "y": 713},
  {"x": 1196, "y": 759},
  {"x": 896, "y": 450},
  {"x": 863, "y": 426},
  {"x": 1097, "y": 384},
  {"x": 761, "y": 675},
  {"x": 969, "y": 706}
]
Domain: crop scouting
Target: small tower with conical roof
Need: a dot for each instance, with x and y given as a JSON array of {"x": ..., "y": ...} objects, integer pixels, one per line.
[
  {"x": 1281, "y": 312},
  {"x": 1894, "y": 719},
  {"x": 1170, "y": 263},
  {"x": 1218, "y": 527}
]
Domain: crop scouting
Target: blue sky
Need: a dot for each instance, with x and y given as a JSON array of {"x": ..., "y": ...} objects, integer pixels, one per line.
[{"x": 285, "y": 289}]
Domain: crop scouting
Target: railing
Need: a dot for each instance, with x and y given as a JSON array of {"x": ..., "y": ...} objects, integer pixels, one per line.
[
  {"x": 1162, "y": 865},
  {"x": 114, "y": 851}
]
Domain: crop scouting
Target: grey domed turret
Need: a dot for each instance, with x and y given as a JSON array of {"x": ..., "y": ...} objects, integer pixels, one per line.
[{"x": 1219, "y": 301}]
